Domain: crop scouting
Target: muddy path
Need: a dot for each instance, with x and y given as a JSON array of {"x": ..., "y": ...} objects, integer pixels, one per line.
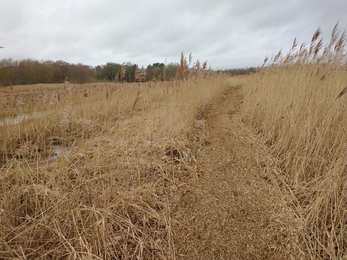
[{"x": 235, "y": 208}]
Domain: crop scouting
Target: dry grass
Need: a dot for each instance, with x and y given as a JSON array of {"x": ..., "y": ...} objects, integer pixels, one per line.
[
  {"x": 106, "y": 171},
  {"x": 96, "y": 176},
  {"x": 298, "y": 105}
]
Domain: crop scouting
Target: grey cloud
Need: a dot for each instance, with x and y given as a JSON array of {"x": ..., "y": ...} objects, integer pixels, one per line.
[{"x": 226, "y": 33}]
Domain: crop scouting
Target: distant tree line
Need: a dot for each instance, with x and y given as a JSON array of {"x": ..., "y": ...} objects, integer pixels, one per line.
[
  {"x": 28, "y": 71},
  {"x": 241, "y": 71},
  {"x": 160, "y": 71},
  {"x": 32, "y": 71}
]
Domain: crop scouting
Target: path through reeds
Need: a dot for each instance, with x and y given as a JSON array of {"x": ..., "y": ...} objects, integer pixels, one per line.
[{"x": 234, "y": 208}]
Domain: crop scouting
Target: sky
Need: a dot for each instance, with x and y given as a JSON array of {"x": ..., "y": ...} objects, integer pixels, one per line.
[{"x": 225, "y": 33}]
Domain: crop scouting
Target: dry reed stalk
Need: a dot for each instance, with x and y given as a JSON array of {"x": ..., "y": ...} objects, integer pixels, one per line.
[
  {"x": 204, "y": 65},
  {"x": 122, "y": 72},
  {"x": 136, "y": 99},
  {"x": 344, "y": 91},
  {"x": 116, "y": 78},
  {"x": 164, "y": 73},
  {"x": 290, "y": 104},
  {"x": 140, "y": 75}
]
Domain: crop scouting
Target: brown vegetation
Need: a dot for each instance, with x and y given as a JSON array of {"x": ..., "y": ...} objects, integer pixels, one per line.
[
  {"x": 205, "y": 166},
  {"x": 97, "y": 176},
  {"x": 298, "y": 106}
]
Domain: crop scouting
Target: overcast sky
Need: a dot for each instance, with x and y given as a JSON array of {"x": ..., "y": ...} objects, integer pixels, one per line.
[{"x": 226, "y": 33}]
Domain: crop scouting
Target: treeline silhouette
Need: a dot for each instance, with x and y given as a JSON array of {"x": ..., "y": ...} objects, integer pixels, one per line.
[
  {"x": 241, "y": 71},
  {"x": 28, "y": 71}
]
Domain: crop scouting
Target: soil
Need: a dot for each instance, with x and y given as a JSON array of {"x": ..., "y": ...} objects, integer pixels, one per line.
[{"x": 234, "y": 208}]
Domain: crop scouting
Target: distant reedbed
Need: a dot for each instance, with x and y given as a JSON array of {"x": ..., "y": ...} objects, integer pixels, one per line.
[{"x": 298, "y": 105}]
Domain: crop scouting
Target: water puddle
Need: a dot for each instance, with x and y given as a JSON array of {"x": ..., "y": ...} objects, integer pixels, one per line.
[
  {"x": 20, "y": 118},
  {"x": 56, "y": 152}
]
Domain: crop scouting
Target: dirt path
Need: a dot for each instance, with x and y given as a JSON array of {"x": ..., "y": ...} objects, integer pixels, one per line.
[{"x": 234, "y": 209}]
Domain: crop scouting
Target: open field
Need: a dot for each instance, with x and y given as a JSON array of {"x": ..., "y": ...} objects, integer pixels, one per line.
[{"x": 206, "y": 167}]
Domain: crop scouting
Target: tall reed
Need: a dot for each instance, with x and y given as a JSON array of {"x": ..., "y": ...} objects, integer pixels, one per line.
[{"x": 297, "y": 104}]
